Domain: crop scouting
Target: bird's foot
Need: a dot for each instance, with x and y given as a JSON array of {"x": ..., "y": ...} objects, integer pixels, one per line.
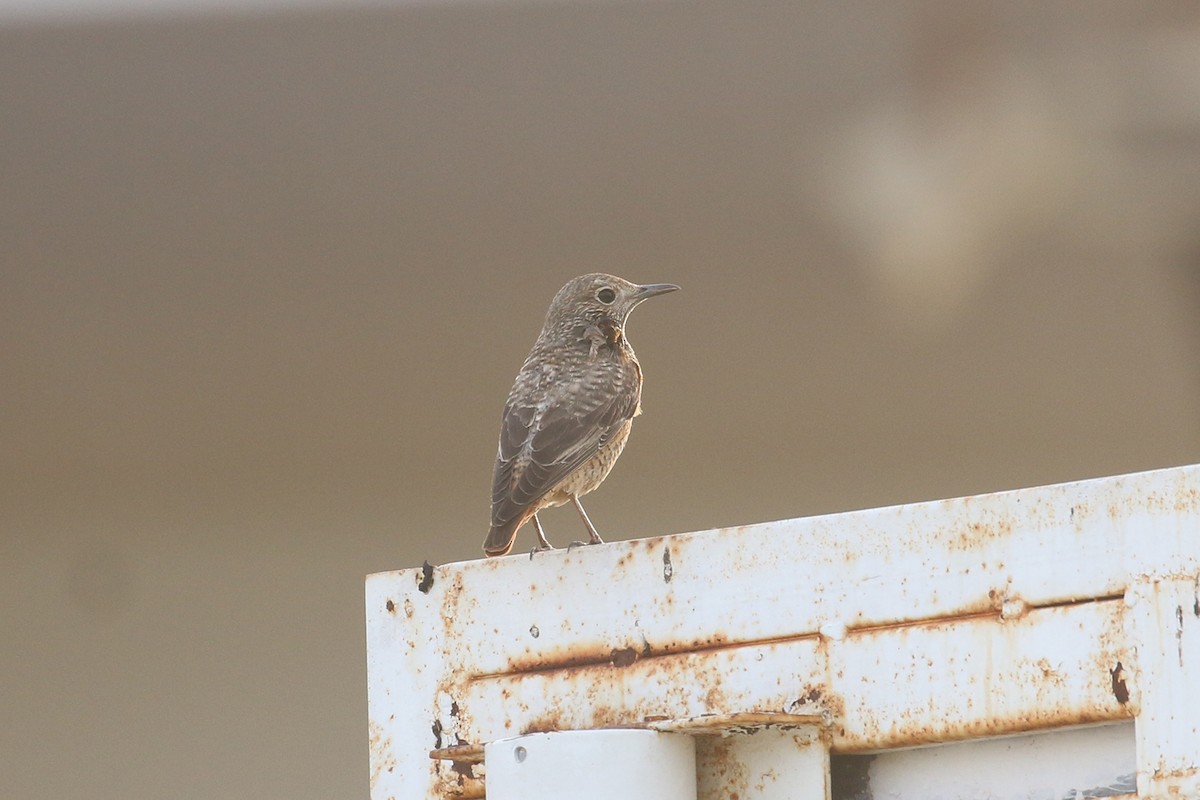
[{"x": 541, "y": 549}]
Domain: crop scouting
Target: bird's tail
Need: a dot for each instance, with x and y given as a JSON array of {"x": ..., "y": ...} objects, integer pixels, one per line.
[{"x": 500, "y": 538}]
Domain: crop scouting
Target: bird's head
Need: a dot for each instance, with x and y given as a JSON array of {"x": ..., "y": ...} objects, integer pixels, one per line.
[{"x": 598, "y": 296}]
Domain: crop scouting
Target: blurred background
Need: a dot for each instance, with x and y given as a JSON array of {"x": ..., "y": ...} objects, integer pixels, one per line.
[{"x": 269, "y": 269}]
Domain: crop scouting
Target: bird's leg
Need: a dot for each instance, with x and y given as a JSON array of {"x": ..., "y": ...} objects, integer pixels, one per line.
[
  {"x": 543, "y": 542},
  {"x": 594, "y": 538}
]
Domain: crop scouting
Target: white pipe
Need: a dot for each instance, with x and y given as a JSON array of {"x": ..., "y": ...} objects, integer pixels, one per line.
[{"x": 592, "y": 765}]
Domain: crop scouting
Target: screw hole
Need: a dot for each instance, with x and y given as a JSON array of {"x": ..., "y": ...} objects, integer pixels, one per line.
[{"x": 519, "y": 754}]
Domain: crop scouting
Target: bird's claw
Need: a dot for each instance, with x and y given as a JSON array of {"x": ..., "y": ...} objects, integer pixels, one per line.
[{"x": 541, "y": 549}]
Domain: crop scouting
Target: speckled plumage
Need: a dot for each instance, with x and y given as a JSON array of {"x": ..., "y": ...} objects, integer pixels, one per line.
[{"x": 571, "y": 407}]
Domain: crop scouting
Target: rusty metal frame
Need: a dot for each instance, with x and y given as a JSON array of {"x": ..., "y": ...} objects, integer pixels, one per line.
[{"x": 1003, "y": 613}]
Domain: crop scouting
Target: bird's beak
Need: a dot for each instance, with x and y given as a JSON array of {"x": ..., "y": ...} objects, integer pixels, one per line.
[{"x": 651, "y": 289}]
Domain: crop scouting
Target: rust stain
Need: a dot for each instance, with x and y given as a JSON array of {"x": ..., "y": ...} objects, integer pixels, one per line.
[
  {"x": 718, "y": 760},
  {"x": 437, "y": 733},
  {"x": 715, "y": 699},
  {"x": 899, "y": 735},
  {"x": 596, "y": 654},
  {"x": 997, "y": 605},
  {"x": 473, "y": 792},
  {"x": 987, "y": 612},
  {"x": 1049, "y": 673},
  {"x": 594, "y": 698},
  {"x": 465, "y": 770},
  {"x": 623, "y": 657},
  {"x": 559, "y": 719},
  {"x": 1187, "y": 502},
  {"x": 382, "y": 757},
  {"x": 1119, "y": 688},
  {"x": 425, "y": 582},
  {"x": 1161, "y": 774},
  {"x": 981, "y": 532},
  {"x": 460, "y": 779},
  {"x": 817, "y": 698},
  {"x": 452, "y": 599}
]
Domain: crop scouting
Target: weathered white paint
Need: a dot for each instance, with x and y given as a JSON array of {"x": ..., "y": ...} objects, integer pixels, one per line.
[
  {"x": 593, "y": 765},
  {"x": 933, "y": 622},
  {"x": 1165, "y": 618},
  {"x": 405, "y": 669},
  {"x": 978, "y": 676},
  {"x": 1049, "y": 766}
]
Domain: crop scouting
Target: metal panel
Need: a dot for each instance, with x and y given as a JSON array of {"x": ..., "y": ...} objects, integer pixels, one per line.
[
  {"x": 768, "y": 677},
  {"x": 929, "y": 622},
  {"x": 405, "y": 674},
  {"x": 978, "y": 676},
  {"x": 1077, "y": 764},
  {"x": 1165, "y": 620}
]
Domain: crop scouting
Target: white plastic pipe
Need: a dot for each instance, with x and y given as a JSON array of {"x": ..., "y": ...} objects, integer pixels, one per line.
[{"x": 592, "y": 765}]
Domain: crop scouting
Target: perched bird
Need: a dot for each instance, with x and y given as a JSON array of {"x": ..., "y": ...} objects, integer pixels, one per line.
[{"x": 570, "y": 409}]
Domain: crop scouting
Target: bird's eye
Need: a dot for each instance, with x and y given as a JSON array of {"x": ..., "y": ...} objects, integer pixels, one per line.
[{"x": 606, "y": 295}]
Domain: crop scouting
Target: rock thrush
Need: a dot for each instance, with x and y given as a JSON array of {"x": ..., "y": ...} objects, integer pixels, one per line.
[{"x": 569, "y": 412}]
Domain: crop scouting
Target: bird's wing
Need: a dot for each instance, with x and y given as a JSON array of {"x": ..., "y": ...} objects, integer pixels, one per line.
[{"x": 542, "y": 445}]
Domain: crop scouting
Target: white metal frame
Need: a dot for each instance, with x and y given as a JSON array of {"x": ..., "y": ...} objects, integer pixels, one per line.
[{"x": 864, "y": 631}]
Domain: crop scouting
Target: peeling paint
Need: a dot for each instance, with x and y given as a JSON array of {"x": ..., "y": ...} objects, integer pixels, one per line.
[
  {"x": 1119, "y": 689},
  {"x": 426, "y": 581}
]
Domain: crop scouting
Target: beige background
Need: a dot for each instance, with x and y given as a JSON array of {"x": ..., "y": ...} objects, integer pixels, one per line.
[{"x": 267, "y": 279}]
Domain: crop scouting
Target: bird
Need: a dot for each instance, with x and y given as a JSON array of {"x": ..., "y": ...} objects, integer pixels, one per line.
[{"x": 572, "y": 404}]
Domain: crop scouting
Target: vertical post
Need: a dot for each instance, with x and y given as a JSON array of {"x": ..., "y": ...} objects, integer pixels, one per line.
[
  {"x": 764, "y": 764},
  {"x": 1165, "y": 613},
  {"x": 405, "y": 660},
  {"x": 592, "y": 765}
]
